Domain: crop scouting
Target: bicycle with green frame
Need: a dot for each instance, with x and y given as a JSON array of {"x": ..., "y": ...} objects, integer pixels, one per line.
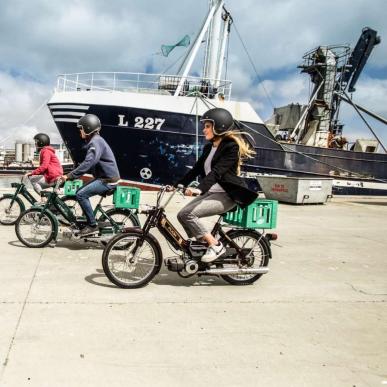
[
  {"x": 38, "y": 226},
  {"x": 12, "y": 204}
]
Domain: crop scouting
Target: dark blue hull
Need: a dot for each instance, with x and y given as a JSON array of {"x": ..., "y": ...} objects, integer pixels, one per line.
[{"x": 151, "y": 155}]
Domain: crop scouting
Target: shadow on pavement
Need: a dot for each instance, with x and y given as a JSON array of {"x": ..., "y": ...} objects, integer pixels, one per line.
[
  {"x": 163, "y": 278},
  {"x": 71, "y": 245},
  {"x": 93, "y": 279}
]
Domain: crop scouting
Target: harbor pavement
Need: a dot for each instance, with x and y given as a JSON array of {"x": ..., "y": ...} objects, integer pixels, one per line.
[{"x": 318, "y": 318}]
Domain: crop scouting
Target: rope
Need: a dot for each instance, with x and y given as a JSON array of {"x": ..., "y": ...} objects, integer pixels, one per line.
[
  {"x": 287, "y": 148},
  {"x": 170, "y": 66},
  {"x": 252, "y": 64},
  {"x": 283, "y": 146}
]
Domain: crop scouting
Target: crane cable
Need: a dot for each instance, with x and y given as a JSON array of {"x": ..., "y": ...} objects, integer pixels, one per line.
[
  {"x": 253, "y": 65},
  {"x": 286, "y": 148}
]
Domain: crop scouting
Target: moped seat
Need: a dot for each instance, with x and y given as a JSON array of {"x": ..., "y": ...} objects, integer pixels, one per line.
[{"x": 109, "y": 192}]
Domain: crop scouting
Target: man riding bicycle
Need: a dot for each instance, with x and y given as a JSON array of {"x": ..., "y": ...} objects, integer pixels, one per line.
[{"x": 100, "y": 162}]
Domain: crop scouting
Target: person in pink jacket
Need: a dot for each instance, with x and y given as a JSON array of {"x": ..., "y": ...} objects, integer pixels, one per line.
[{"x": 49, "y": 169}]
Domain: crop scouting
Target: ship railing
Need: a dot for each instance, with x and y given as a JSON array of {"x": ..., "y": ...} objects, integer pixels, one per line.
[{"x": 142, "y": 83}]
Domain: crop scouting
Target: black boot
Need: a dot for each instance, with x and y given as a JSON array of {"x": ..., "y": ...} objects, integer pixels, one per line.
[{"x": 88, "y": 230}]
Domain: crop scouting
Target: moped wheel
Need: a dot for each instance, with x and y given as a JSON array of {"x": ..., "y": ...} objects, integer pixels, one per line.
[
  {"x": 34, "y": 228},
  {"x": 257, "y": 252},
  {"x": 9, "y": 213},
  {"x": 135, "y": 265}
]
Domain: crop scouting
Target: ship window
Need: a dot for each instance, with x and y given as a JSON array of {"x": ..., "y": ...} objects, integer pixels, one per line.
[{"x": 370, "y": 149}]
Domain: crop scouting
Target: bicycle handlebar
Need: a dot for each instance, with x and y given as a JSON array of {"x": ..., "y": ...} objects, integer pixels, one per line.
[{"x": 57, "y": 184}]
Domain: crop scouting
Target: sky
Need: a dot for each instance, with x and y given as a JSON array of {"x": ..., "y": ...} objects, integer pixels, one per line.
[{"x": 40, "y": 39}]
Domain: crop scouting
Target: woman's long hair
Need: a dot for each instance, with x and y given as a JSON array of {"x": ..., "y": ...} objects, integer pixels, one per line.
[{"x": 245, "y": 150}]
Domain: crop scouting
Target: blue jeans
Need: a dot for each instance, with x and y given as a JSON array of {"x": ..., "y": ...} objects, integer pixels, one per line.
[{"x": 96, "y": 187}]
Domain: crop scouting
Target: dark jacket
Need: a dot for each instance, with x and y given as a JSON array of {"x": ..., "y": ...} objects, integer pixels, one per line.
[
  {"x": 99, "y": 161},
  {"x": 224, "y": 167},
  {"x": 50, "y": 166}
]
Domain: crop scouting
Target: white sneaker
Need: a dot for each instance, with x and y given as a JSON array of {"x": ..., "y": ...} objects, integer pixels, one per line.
[{"x": 213, "y": 252}]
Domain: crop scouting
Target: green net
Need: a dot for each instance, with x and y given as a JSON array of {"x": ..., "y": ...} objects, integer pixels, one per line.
[{"x": 166, "y": 49}]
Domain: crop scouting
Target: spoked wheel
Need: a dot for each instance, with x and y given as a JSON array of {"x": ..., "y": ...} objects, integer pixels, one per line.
[
  {"x": 257, "y": 254},
  {"x": 136, "y": 264},
  {"x": 9, "y": 212},
  {"x": 34, "y": 228},
  {"x": 124, "y": 218},
  {"x": 73, "y": 204}
]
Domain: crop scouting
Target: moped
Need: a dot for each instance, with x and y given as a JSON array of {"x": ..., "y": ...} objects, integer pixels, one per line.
[{"x": 132, "y": 258}]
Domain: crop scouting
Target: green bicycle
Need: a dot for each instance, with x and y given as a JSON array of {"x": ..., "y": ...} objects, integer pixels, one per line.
[
  {"x": 38, "y": 226},
  {"x": 12, "y": 205}
]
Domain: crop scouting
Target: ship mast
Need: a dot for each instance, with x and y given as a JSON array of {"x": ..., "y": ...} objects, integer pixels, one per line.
[{"x": 217, "y": 24}]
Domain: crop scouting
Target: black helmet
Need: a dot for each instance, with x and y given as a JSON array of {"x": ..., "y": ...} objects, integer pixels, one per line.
[
  {"x": 41, "y": 140},
  {"x": 221, "y": 118},
  {"x": 90, "y": 123}
]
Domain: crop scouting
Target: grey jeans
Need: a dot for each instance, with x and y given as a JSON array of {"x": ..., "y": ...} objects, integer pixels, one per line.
[
  {"x": 205, "y": 205},
  {"x": 39, "y": 183}
]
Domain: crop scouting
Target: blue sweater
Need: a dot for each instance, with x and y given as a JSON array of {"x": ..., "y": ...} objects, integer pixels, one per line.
[{"x": 99, "y": 161}]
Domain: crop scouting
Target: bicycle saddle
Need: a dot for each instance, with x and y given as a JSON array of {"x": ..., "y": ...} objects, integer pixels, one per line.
[{"x": 109, "y": 192}]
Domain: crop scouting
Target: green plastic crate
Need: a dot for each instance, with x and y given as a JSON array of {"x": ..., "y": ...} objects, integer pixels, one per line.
[
  {"x": 72, "y": 186},
  {"x": 260, "y": 214},
  {"x": 126, "y": 197}
]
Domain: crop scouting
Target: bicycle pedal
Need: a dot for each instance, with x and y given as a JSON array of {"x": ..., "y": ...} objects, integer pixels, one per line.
[
  {"x": 52, "y": 243},
  {"x": 104, "y": 224}
]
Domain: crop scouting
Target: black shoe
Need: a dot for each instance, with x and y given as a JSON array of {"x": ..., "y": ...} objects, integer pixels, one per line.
[
  {"x": 104, "y": 224},
  {"x": 88, "y": 230}
]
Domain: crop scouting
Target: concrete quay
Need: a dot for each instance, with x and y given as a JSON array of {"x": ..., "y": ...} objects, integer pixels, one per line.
[{"x": 318, "y": 318}]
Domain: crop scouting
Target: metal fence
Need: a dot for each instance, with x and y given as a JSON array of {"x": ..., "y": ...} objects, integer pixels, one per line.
[{"x": 141, "y": 83}]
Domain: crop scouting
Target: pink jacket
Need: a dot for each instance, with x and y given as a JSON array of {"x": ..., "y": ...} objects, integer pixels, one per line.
[{"x": 50, "y": 166}]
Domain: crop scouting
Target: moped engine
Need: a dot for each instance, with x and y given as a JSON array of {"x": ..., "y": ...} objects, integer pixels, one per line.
[
  {"x": 174, "y": 264},
  {"x": 191, "y": 267},
  {"x": 182, "y": 266}
]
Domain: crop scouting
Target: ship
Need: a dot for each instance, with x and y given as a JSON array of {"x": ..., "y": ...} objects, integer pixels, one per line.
[{"x": 152, "y": 121}]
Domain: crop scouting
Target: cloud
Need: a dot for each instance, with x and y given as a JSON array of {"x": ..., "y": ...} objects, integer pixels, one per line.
[
  {"x": 266, "y": 95},
  {"x": 23, "y": 109},
  {"x": 41, "y": 39},
  {"x": 278, "y": 32},
  {"x": 371, "y": 93},
  {"x": 45, "y": 38}
]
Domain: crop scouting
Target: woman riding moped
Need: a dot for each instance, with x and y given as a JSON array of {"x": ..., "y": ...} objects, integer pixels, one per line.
[{"x": 221, "y": 187}]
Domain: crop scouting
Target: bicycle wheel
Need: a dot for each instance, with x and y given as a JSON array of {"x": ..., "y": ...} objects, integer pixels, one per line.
[
  {"x": 9, "y": 213},
  {"x": 134, "y": 266},
  {"x": 34, "y": 228},
  {"x": 124, "y": 218},
  {"x": 257, "y": 252},
  {"x": 73, "y": 204}
]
